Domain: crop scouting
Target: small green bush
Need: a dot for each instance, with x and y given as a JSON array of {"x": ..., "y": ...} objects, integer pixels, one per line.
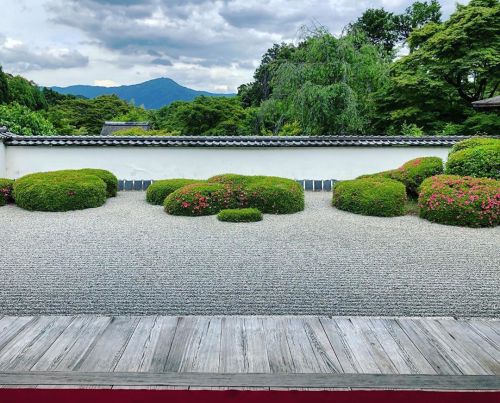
[
  {"x": 59, "y": 191},
  {"x": 200, "y": 199},
  {"x": 474, "y": 142},
  {"x": 456, "y": 200},
  {"x": 159, "y": 190},
  {"x": 109, "y": 179},
  {"x": 240, "y": 215},
  {"x": 5, "y": 191},
  {"x": 371, "y": 196},
  {"x": 412, "y": 173},
  {"x": 479, "y": 162},
  {"x": 274, "y": 195}
]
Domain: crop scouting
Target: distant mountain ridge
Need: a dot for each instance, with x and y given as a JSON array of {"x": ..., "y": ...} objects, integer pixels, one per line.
[{"x": 153, "y": 94}]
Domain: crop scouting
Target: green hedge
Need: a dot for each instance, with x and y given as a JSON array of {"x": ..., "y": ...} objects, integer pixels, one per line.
[
  {"x": 412, "y": 173},
  {"x": 480, "y": 162},
  {"x": 474, "y": 142},
  {"x": 456, "y": 200},
  {"x": 371, "y": 196},
  {"x": 109, "y": 179},
  {"x": 159, "y": 190},
  {"x": 5, "y": 191},
  {"x": 200, "y": 199},
  {"x": 240, "y": 215},
  {"x": 59, "y": 191}
]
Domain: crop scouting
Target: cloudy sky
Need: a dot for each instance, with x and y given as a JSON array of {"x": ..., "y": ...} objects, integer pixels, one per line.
[{"x": 212, "y": 45}]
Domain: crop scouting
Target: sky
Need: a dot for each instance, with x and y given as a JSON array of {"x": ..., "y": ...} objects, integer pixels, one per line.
[{"x": 212, "y": 45}]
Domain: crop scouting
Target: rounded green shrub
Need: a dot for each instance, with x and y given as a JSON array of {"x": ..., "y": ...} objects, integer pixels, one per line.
[
  {"x": 59, "y": 191},
  {"x": 233, "y": 179},
  {"x": 371, "y": 196},
  {"x": 274, "y": 195},
  {"x": 159, "y": 190},
  {"x": 109, "y": 179},
  {"x": 474, "y": 142},
  {"x": 5, "y": 191},
  {"x": 460, "y": 200},
  {"x": 200, "y": 199},
  {"x": 240, "y": 215},
  {"x": 479, "y": 162}
]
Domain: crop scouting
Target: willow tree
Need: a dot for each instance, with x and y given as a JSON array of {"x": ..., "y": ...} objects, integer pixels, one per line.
[{"x": 328, "y": 85}]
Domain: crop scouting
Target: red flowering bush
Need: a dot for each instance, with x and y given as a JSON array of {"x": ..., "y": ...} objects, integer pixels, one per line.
[
  {"x": 5, "y": 191},
  {"x": 456, "y": 200},
  {"x": 159, "y": 190}
]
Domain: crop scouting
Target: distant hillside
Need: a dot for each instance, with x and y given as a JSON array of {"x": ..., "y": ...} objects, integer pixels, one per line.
[{"x": 152, "y": 94}]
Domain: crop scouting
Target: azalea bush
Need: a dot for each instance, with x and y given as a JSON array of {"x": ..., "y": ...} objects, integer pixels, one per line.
[
  {"x": 481, "y": 162},
  {"x": 240, "y": 215},
  {"x": 456, "y": 200},
  {"x": 375, "y": 196},
  {"x": 59, "y": 191},
  {"x": 5, "y": 191},
  {"x": 159, "y": 190},
  {"x": 474, "y": 142}
]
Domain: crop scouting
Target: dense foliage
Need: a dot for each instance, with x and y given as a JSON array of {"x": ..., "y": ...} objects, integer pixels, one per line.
[
  {"x": 480, "y": 162},
  {"x": 107, "y": 177},
  {"x": 59, "y": 191},
  {"x": 5, "y": 191},
  {"x": 474, "y": 142},
  {"x": 465, "y": 201},
  {"x": 394, "y": 74},
  {"x": 159, "y": 190},
  {"x": 240, "y": 215},
  {"x": 371, "y": 196}
]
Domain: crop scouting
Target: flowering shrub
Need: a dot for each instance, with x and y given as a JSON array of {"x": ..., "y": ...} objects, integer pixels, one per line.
[
  {"x": 412, "y": 173},
  {"x": 240, "y": 215},
  {"x": 455, "y": 200},
  {"x": 480, "y": 162},
  {"x": 374, "y": 196},
  {"x": 159, "y": 190},
  {"x": 59, "y": 191},
  {"x": 5, "y": 191},
  {"x": 474, "y": 142}
]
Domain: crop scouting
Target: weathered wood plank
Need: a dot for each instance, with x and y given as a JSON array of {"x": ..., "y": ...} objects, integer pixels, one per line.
[
  {"x": 234, "y": 346},
  {"x": 487, "y": 331},
  {"x": 30, "y": 344},
  {"x": 278, "y": 350},
  {"x": 257, "y": 357},
  {"x": 355, "y": 381},
  {"x": 109, "y": 347},
  {"x": 164, "y": 343},
  {"x": 342, "y": 350},
  {"x": 10, "y": 326}
]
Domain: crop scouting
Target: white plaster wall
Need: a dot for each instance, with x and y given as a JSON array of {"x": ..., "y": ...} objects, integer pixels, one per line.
[
  {"x": 199, "y": 163},
  {"x": 2, "y": 160}
]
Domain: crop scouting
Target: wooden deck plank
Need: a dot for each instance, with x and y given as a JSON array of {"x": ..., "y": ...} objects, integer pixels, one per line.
[
  {"x": 257, "y": 356},
  {"x": 234, "y": 346},
  {"x": 164, "y": 343},
  {"x": 342, "y": 350},
  {"x": 30, "y": 344},
  {"x": 278, "y": 350},
  {"x": 10, "y": 326},
  {"x": 206, "y": 357},
  {"x": 485, "y": 330},
  {"x": 109, "y": 347}
]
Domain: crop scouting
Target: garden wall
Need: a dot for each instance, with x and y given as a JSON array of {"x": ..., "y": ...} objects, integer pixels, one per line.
[
  {"x": 3, "y": 162},
  {"x": 142, "y": 160}
]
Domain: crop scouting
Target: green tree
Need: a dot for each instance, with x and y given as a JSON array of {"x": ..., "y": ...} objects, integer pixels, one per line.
[
  {"x": 19, "y": 119},
  {"x": 25, "y": 92},
  {"x": 4, "y": 87}
]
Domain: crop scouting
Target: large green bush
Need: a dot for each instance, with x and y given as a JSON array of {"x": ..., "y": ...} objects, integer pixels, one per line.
[
  {"x": 200, "y": 199},
  {"x": 371, "y": 196},
  {"x": 5, "y": 190},
  {"x": 480, "y": 162},
  {"x": 159, "y": 190},
  {"x": 456, "y": 200},
  {"x": 59, "y": 191},
  {"x": 109, "y": 179},
  {"x": 412, "y": 173},
  {"x": 474, "y": 142},
  {"x": 240, "y": 215}
]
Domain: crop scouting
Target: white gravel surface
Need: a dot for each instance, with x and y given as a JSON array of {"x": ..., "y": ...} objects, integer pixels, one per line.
[{"x": 129, "y": 257}]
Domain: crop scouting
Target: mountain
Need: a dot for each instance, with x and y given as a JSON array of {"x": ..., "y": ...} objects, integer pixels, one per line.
[{"x": 153, "y": 94}]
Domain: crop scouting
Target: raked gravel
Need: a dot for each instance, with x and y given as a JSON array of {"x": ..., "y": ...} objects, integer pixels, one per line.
[{"x": 129, "y": 257}]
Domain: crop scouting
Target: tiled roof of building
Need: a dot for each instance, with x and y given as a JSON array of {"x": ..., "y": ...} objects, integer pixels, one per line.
[
  {"x": 489, "y": 103},
  {"x": 235, "y": 141}
]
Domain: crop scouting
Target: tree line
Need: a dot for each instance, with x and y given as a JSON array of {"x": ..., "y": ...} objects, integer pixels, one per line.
[{"x": 388, "y": 74}]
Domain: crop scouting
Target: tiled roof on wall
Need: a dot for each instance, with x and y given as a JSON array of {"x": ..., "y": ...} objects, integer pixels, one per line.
[{"x": 236, "y": 141}]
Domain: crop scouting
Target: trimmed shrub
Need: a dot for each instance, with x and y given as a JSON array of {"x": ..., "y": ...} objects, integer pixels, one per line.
[
  {"x": 479, "y": 162},
  {"x": 474, "y": 142},
  {"x": 5, "y": 191},
  {"x": 109, "y": 179},
  {"x": 59, "y": 191},
  {"x": 240, "y": 215},
  {"x": 200, "y": 199},
  {"x": 159, "y": 190},
  {"x": 412, "y": 173},
  {"x": 456, "y": 200},
  {"x": 274, "y": 195},
  {"x": 371, "y": 196}
]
